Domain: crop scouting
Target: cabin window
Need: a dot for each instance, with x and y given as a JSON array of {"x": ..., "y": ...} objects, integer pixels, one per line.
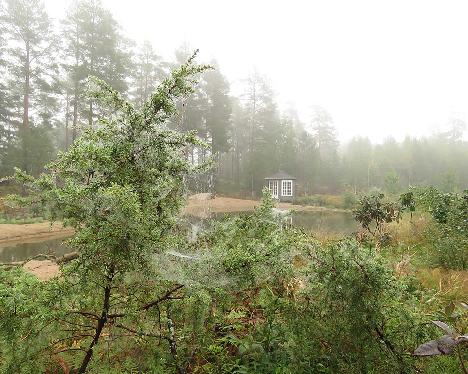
[
  {"x": 273, "y": 187},
  {"x": 286, "y": 188}
]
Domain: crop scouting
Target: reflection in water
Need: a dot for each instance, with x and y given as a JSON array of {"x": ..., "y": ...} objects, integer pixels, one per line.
[
  {"x": 23, "y": 251},
  {"x": 335, "y": 223}
]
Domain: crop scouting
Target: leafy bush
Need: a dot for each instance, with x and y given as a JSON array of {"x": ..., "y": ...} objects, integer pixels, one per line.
[
  {"x": 349, "y": 200},
  {"x": 120, "y": 186},
  {"x": 248, "y": 296},
  {"x": 449, "y": 234},
  {"x": 373, "y": 212},
  {"x": 348, "y": 314}
]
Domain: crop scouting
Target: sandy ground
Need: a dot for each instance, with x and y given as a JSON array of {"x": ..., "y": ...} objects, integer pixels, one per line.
[
  {"x": 200, "y": 205},
  {"x": 44, "y": 269},
  {"x": 11, "y": 233}
]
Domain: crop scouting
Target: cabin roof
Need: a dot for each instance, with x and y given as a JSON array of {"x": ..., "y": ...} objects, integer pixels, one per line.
[{"x": 280, "y": 175}]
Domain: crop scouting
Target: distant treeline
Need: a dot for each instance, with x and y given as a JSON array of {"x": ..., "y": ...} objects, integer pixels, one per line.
[{"x": 44, "y": 67}]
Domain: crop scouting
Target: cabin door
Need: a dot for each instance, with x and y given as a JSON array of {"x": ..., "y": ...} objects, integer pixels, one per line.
[{"x": 273, "y": 187}]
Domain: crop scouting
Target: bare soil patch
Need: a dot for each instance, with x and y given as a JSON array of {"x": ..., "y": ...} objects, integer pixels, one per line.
[
  {"x": 12, "y": 233},
  {"x": 42, "y": 269}
]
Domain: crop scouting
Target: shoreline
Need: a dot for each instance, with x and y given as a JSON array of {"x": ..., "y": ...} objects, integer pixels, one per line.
[
  {"x": 200, "y": 206},
  {"x": 11, "y": 234}
]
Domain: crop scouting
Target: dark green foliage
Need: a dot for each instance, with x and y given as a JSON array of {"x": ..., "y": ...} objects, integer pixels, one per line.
[
  {"x": 250, "y": 296},
  {"x": 362, "y": 310},
  {"x": 455, "y": 339},
  {"x": 218, "y": 119},
  {"x": 373, "y": 212},
  {"x": 120, "y": 186},
  {"x": 343, "y": 313},
  {"x": 407, "y": 201},
  {"x": 449, "y": 235},
  {"x": 28, "y": 86}
]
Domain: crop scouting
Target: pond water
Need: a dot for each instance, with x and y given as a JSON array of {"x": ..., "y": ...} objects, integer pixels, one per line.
[
  {"x": 331, "y": 223},
  {"x": 326, "y": 222},
  {"x": 23, "y": 250}
]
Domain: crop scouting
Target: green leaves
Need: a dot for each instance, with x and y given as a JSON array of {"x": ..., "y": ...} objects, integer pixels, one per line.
[
  {"x": 449, "y": 235},
  {"x": 373, "y": 212},
  {"x": 121, "y": 186}
]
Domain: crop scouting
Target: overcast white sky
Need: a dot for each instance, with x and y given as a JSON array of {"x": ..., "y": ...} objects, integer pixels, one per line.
[{"x": 380, "y": 68}]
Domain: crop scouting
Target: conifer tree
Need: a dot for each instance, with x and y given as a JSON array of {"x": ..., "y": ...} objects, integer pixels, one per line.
[
  {"x": 93, "y": 46},
  {"x": 327, "y": 148},
  {"x": 148, "y": 72},
  {"x": 32, "y": 71},
  {"x": 218, "y": 116},
  {"x": 120, "y": 186},
  {"x": 264, "y": 131}
]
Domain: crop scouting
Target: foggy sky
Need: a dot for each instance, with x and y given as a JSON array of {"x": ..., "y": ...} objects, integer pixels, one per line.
[{"x": 380, "y": 68}]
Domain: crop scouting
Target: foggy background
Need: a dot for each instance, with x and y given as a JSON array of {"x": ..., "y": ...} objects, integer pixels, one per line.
[
  {"x": 346, "y": 97},
  {"x": 379, "y": 68}
]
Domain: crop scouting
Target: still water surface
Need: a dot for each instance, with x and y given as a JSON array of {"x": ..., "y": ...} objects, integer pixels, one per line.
[{"x": 333, "y": 223}]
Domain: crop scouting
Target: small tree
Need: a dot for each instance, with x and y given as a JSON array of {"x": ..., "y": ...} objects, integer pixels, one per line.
[
  {"x": 392, "y": 183},
  {"x": 448, "y": 235},
  {"x": 373, "y": 212},
  {"x": 408, "y": 202},
  {"x": 120, "y": 186}
]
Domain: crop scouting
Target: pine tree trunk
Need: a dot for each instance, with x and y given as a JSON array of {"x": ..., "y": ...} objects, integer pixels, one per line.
[
  {"x": 75, "y": 86},
  {"x": 67, "y": 117},
  {"x": 27, "y": 89},
  {"x": 75, "y": 111}
]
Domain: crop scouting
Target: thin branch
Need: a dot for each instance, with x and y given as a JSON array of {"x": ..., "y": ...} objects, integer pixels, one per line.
[{"x": 166, "y": 296}]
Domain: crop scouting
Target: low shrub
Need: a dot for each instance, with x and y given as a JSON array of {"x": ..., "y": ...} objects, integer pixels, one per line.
[{"x": 448, "y": 235}]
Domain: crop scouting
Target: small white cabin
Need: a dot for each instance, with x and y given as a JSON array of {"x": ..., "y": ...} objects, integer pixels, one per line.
[{"x": 282, "y": 186}]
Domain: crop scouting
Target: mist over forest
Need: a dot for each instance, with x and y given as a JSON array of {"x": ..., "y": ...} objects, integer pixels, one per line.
[
  {"x": 44, "y": 68},
  {"x": 158, "y": 215}
]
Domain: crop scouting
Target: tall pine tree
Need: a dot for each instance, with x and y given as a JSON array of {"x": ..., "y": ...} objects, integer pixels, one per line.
[
  {"x": 94, "y": 46},
  {"x": 148, "y": 72},
  {"x": 33, "y": 76},
  {"x": 218, "y": 117}
]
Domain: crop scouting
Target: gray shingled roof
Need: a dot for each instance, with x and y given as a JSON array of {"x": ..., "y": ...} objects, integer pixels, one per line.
[{"x": 280, "y": 175}]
